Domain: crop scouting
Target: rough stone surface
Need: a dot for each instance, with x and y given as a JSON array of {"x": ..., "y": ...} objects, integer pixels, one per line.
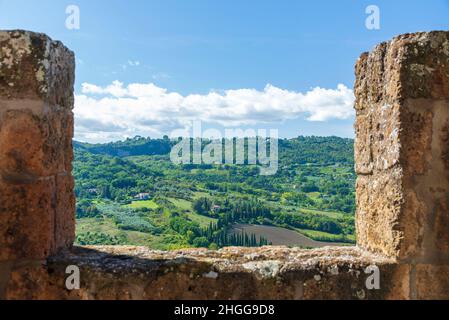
[
  {"x": 432, "y": 282},
  {"x": 402, "y": 92},
  {"x": 33, "y": 66},
  {"x": 231, "y": 273},
  {"x": 36, "y": 130}
]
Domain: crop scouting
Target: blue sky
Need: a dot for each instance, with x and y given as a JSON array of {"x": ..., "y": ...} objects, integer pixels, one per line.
[{"x": 200, "y": 57}]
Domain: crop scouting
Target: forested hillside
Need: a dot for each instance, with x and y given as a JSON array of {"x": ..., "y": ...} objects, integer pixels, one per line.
[{"x": 129, "y": 192}]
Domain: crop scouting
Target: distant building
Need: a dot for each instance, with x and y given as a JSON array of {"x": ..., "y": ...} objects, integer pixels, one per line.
[
  {"x": 142, "y": 196},
  {"x": 216, "y": 208}
]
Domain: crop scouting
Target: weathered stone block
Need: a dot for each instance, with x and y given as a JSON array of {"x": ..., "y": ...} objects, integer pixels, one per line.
[
  {"x": 401, "y": 147},
  {"x": 32, "y": 281},
  {"x": 377, "y": 146},
  {"x": 27, "y": 220},
  {"x": 432, "y": 282},
  {"x": 33, "y": 66},
  {"x": 379, "y": 201},
  {"x": 65, "y": 209},
  {"x": 37, "y": 204},
  {"x": 33, "y": 146},
  {"x": 272, "y": 273}
]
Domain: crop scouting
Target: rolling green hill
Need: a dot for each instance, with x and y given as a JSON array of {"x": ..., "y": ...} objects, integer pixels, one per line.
[{"x": 196, "y": 205}]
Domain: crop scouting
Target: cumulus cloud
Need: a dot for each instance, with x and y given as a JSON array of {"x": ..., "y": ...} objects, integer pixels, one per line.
[{"x": 117, "y": 111}]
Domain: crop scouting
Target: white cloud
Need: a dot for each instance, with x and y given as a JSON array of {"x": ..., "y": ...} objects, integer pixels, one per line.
[
  {"x": 117, "y": 111},
  {"x": 134, "y": 63}
]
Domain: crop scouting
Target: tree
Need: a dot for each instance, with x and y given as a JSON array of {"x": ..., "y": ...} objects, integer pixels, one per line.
[
  {"x": 202, "y": 206},
  {"x": 201, "y": 242}
]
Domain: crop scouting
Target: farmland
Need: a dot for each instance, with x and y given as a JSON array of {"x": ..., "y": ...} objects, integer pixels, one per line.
[
  {"x": 281, "y": 236},
  {"x": 310, "y": 200}
]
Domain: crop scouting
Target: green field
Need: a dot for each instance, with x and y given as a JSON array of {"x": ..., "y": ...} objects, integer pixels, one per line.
[
  {"x": 201, "y": 220},
  {"x": 107, "y": 226},
  {"x": 186, "y": 206},
  {"x": 146, "y": 204},
  {"x": 325, "y": 236},
  {"x": 181, "y": 204},
  {"x": 196, "y": 205},
  {"x": 329, "y": 214}
]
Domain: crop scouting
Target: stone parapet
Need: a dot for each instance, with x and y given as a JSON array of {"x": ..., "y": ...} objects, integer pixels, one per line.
[
  {"x": 402, "y": 147},
  {"x": 36, "y": 128},
  {"x": 231, "y": 273},
  {"x": 402, "y": 160}
]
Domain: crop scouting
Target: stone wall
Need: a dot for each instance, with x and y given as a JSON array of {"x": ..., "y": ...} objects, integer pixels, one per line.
[
  {"x": 402, "y": 150},
  {"x": 36, "y": 130},
  {"x": 230, "y": 273},
  {"x": 402, "y": 159}
]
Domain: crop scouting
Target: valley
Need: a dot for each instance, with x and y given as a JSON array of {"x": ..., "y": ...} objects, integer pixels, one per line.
[{"x": 129, "y": 192}]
